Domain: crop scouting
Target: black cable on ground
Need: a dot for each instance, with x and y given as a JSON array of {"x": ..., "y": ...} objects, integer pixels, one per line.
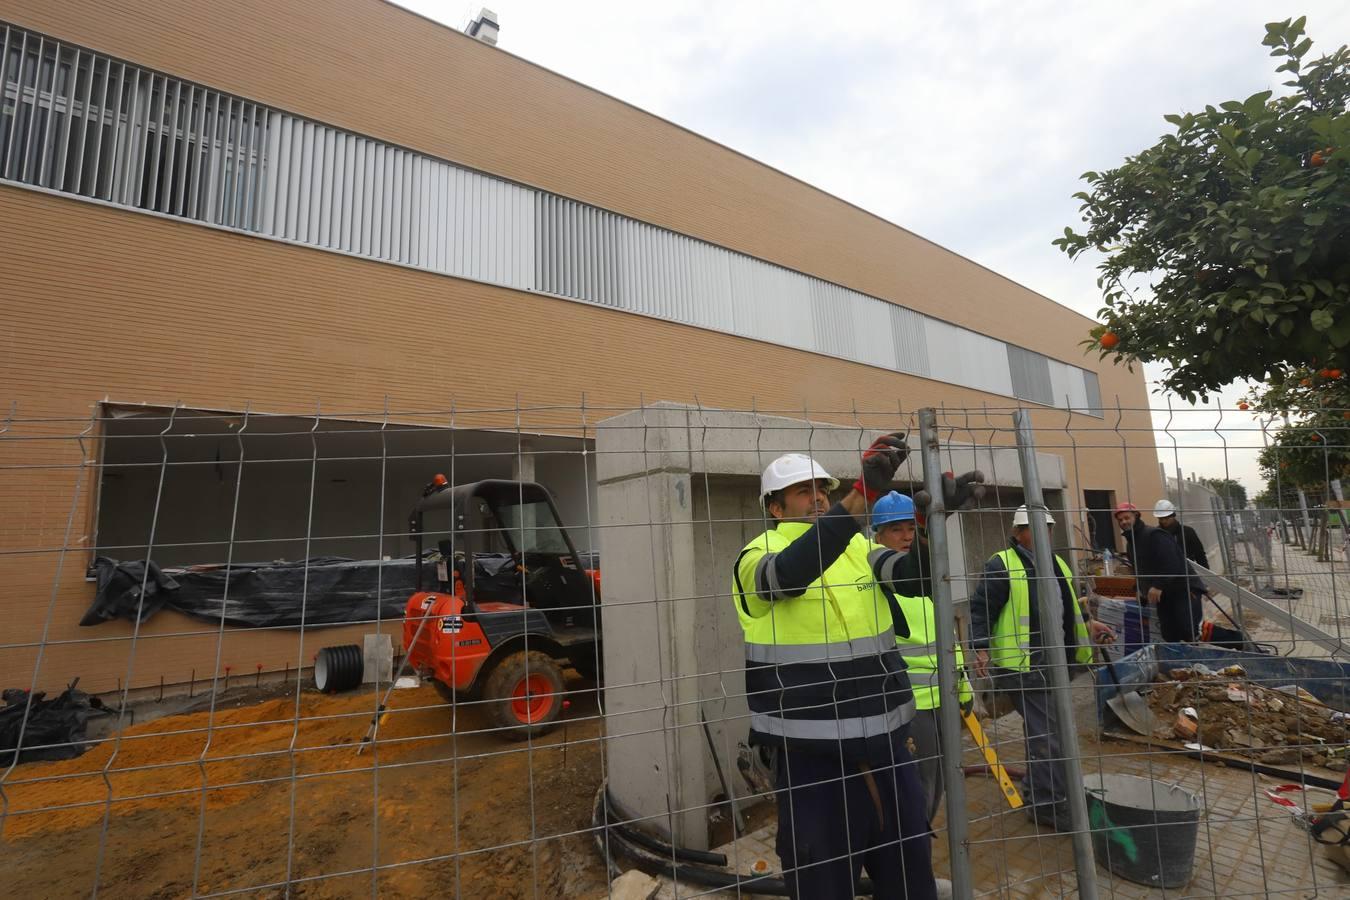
[{"x": 638, "y": 847}]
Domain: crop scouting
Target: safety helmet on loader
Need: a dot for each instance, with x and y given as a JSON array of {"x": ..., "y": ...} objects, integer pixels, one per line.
[
  {"x": 1164, "y": 508},
  {"x": 790, "y": 469}
]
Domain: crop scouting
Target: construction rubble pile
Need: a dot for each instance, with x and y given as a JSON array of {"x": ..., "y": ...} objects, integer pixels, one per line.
[{"x": 1222, "y": 710}]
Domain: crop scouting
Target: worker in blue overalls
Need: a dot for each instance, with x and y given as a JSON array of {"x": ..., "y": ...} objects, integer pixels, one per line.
[{"x": 827, "y": 688}]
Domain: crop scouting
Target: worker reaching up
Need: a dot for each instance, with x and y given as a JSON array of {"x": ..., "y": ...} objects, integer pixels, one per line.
[
  {"x": 827, "y": 687},
  {"x": 900, "y": 565}
]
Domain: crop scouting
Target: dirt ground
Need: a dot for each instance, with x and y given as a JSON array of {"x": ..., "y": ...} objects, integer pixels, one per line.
[{"x": 451, "y": 809}]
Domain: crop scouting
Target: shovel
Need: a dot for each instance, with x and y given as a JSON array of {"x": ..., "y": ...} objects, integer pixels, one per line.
[{"x": 1129, "y": 706}]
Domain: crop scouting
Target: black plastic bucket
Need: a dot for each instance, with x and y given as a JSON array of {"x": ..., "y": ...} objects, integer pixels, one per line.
[
  {"x": 339, "y": 668},
  {"x": 1143, "y": 830}
]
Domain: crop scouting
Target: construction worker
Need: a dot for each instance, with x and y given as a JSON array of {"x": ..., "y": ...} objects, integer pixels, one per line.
[
  {"x": 895, "y": 531},
  {"x": 1009, "y": 645},
  {"x": 1161, "y": 575},
  {"x": 1191, "y": 546},
  {"x": 827, "y": 687}
]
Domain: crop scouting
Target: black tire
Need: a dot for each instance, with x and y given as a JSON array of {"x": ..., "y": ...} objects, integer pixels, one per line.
[
  {"x": 524, "y": 694},
  {"x": 339, "y": 668}
]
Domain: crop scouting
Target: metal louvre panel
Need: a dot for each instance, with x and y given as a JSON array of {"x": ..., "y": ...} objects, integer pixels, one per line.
[
  {"x": 1078, "y": 399},
  {"x": 947, "y": 363},
  {"x": 831, "y": 318},
  {"x": 911, "y": 340},
  {"x": 76, "y": 121},
  {"x": 987, "y": 361},
  {"x": 875, "y": 344},
  {"x": 1060, "y": 379},
  {"x": 1093, "y": 390},
  {"x": 1031, "y": 378}
]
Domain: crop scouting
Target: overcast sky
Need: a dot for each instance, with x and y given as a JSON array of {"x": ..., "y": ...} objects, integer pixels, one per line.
[{"x": 966, "y": 122}]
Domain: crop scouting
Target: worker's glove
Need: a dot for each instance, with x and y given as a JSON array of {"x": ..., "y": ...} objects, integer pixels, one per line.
[
  {"x": 958, "y": 492},
  {"x": 967, "y": 706},
  {"x": 879, "y": 462}
]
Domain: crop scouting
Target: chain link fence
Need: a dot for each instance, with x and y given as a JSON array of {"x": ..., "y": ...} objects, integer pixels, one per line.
[{"x": 511, "y": 652}]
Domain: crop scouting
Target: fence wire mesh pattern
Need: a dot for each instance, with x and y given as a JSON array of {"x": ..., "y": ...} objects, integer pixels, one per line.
[{"x": 670, "y": 651}]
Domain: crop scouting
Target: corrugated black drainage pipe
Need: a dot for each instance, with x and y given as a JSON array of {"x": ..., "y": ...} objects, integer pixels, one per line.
[{"x": 339, "y": 668}]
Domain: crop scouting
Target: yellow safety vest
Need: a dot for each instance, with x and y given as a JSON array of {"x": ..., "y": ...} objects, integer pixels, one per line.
[
  {"x": 921, "y": 655},
  {"x": 1010, "y": 644},
  {"x": 821, "y": 668}
]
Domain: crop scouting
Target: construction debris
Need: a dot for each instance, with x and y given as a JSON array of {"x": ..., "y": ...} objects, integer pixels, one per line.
[{"x": 1223, "y": 711}]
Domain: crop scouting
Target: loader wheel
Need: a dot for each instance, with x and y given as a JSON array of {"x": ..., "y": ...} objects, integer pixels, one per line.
[{"x": 525, "y": 694}]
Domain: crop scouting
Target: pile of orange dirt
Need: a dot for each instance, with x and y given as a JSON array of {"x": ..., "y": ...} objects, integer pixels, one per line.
[
  {"x": 451, "y": 809},
  {"x": 230, "y": 755}
]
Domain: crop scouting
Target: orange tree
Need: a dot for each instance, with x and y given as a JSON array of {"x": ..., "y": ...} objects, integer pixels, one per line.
[
  {"x": 1314, "y": 445},
  {"x": 1235, "y": 228}
]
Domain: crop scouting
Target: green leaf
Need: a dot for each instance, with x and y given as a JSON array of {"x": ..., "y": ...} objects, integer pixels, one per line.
[
  {"x": 1174, "y": 119},
  {"x": 1286, "y": 327},
  {"x": 1316, "y": 218},
  {"x": 1321, "y": 320},
  {"x": 1324, "y": 286},
  {"x": 1251, "y": 157},
  {"x": 1231, "y": 106}
]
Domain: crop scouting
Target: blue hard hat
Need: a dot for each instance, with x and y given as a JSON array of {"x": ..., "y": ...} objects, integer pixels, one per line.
[{"x": 894, "y": 507}]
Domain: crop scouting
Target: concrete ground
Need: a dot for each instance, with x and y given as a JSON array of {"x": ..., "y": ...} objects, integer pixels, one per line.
[{"x": 1247, "y": 846}]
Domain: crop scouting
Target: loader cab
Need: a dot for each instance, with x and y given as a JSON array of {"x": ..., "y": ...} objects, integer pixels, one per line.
[{"x": 503, "y": 544}]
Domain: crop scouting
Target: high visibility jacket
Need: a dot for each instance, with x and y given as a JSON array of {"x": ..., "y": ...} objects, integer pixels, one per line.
[
  {"x": 822, "y": 670},
  {"x": 920, "y": 653},
  {"x": 1010, "y": 642}
]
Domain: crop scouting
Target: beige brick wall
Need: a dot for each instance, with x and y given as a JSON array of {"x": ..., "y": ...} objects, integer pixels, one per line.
[
  {"x": 98, "y": 303},
  {"x": 104, "y": 303}
]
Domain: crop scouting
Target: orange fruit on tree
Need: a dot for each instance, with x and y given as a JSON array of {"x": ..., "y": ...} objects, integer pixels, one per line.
[
  {"x": 1334, "y": 373},
  {"x": 1317, "y": 159},
  {"x": 1244, "y": 405},
  {"x": 1109, "y": 340},
  {"x": 1315, "y": 438},
  {"x": 1306, "y": 382}
]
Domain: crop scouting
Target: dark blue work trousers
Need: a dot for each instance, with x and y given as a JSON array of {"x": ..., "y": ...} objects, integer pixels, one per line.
[{"x": 837, "y": 819}]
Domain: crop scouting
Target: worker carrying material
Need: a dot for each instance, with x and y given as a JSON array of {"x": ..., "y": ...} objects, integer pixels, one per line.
[
  {"x": 1161, "y": 575},
  {"x": 896, "y": 534},
  {"x": 1009, "y": 645},
  {"x": 827, "y": 687}
]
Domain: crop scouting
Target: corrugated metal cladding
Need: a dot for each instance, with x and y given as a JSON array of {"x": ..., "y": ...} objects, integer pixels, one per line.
[{"x": 84, "y": 124}]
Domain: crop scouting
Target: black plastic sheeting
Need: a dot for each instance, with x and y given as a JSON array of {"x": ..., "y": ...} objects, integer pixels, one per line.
[
  {"x": 55, "y": 729},
  {"x": 328, "y": 590},
  {"x": 321, "y": 591}
]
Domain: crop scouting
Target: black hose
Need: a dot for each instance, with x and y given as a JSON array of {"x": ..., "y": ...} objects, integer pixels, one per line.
[
  {"x": 656, "y": 857},
  {"x": 619, "y": 819}
]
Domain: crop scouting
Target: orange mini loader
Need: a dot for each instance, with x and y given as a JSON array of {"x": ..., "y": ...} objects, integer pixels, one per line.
[{"x": 503, "y": 603}]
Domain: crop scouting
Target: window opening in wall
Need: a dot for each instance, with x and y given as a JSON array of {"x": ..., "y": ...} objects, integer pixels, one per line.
[{"x": 1101, "y": 527}]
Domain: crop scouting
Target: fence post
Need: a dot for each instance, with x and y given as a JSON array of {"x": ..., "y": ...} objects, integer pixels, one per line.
[
  {"x": 1307, "y": 523},
  {"x": 1052, "y": 627},
  {"x": 944, "y": 615}
]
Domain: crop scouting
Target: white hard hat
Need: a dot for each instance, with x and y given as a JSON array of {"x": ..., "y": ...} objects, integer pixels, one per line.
[
  {"x": 790, "y": 469},
  {"x": 1020, "y": 517},
  {"x": 1164, "y": 508}
]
